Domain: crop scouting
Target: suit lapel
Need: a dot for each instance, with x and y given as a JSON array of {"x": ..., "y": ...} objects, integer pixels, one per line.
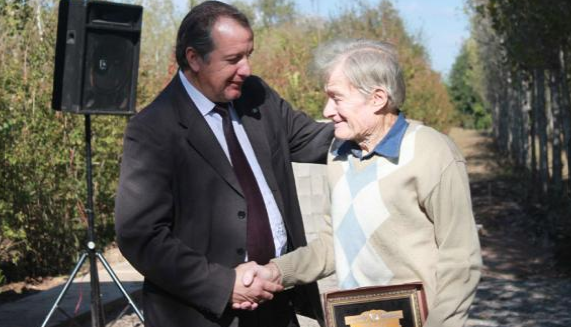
[
  {"x": 256, "y": 131},
  {"x": 199, "y": 135}
]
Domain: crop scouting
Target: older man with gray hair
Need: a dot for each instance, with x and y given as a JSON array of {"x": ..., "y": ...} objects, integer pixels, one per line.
[{"x": 400, "y": 201}]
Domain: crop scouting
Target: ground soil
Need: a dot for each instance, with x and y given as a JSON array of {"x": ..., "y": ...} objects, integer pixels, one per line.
[
  {"x": 512, "y": 243},
  {"x": 522, "y": 283},
  {"x": 15, "y": 291}
]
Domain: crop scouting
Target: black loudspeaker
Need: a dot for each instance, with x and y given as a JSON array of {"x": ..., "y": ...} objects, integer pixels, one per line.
[{"x": 97, "y": 57}]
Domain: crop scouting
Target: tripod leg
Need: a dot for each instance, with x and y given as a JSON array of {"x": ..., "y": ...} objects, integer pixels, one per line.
[
  {"x": 119, "y": 316},
  {"x": 119, "y": 285},
  {"x": 97, "y": 315},
  {"x": 65, "y": 288}
]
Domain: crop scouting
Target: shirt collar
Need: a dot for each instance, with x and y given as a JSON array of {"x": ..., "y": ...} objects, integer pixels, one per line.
[
  {"x": 202, "y": 103},
  {"x": 388, "y": 147}
]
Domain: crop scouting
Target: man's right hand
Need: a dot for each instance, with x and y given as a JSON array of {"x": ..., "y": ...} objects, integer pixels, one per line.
[
  {"x": 249, "y": 291},
  {"x": 269, "y": 272}
]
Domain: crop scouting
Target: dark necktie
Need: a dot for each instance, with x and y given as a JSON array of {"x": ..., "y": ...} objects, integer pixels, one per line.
[{"x": 260, "y": 242}]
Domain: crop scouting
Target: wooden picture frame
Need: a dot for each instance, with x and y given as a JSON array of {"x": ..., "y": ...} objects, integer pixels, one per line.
[{"x": 377, "y": 306}]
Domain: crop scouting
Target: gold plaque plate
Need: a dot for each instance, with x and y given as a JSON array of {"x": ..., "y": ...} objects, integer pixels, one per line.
[{"x": 378, "y": 306}]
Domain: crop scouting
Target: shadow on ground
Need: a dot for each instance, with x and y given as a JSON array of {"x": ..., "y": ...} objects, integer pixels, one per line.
[{"x": 521, "y": 284}]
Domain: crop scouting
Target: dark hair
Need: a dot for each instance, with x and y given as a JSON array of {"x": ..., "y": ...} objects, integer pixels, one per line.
[{"x": 195, "y": 29}]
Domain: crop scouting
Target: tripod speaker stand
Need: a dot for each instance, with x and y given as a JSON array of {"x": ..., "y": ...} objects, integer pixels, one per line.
[
  {"x": 96, "y": 65},
  {"x": 91, "y": 253}
]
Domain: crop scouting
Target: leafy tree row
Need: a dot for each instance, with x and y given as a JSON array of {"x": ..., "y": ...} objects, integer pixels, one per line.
[
  {"x": 42, "y": 169},
  {"x": 522, "y": 74},
  {"x": 463, "y": 83},
  {"x": 524, "y": 47}
]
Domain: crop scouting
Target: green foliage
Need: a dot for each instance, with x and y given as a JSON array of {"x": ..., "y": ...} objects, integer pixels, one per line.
[
  {"x": 157, "y": 62},
  {"x": 42, "y": 168},
  {"x": 462, "y": 89},
  {"x": 287, "y": 50},
  {"x": 245, "y": 8},
  {"x": 285, "y": 67},
  {"x": 275, "y": 12},
  {"x": 533, "y": 31}
]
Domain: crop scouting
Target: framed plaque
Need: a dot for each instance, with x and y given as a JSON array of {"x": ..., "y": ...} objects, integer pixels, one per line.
[{"x": 378, "y": 306}]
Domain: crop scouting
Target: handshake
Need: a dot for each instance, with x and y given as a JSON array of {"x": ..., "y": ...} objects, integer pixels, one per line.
[{"x": 255, "y": 284}]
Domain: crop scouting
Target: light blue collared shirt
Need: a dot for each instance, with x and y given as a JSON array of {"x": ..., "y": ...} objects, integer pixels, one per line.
[
  {"x": 388, "y": 147},
  {"x": 214, "y": 120}
]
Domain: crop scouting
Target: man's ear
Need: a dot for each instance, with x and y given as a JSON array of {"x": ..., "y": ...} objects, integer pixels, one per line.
[
  {"x": 380, "y": 98},
  {"x": 193, "y": 59}
]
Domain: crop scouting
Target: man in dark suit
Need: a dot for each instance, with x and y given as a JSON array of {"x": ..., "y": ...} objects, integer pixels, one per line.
[{"x": 207, "y": 183}]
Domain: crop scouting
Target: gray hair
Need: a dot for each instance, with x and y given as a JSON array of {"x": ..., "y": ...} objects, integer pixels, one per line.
[{"x": 367, "y": 64}]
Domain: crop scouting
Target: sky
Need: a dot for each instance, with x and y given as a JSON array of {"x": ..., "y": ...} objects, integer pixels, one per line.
[{"x": 442, "y": 24}]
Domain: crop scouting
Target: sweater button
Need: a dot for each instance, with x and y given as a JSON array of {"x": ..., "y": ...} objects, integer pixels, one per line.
[
  {"x": 240, "y": 251},
  {"x": 241, "y": 214}
]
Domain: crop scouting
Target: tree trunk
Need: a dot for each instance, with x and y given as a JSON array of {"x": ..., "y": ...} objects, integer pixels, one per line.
[
  {"x": 556, "y": 184},
  {"x": 501, "y": 117},
  {"x": 526, "y": 123},
  {"x": 532, "y": 134},
  {"x": 511, "y": 118},
  {"x": 521, "y": 123},
  {"x": 565, "y": 114},
  {"x": 541, "y": 129}
]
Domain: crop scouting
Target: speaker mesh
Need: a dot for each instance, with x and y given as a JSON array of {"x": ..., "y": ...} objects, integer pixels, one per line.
[{"x": 108, "y": 69}]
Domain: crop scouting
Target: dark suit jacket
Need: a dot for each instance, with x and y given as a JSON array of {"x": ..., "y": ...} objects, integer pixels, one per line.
[{"x": 180, "y": 212}]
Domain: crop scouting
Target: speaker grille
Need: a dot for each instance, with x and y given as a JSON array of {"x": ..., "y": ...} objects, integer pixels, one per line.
[{"x": 108, "y": 70}]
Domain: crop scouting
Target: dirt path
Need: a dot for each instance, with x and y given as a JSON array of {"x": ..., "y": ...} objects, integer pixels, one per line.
[{"x": 520, "y": 285}]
